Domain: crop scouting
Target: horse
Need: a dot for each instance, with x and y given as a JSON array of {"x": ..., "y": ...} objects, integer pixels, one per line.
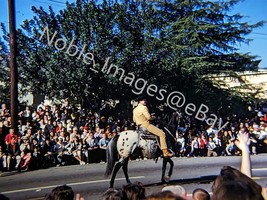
[{"x": 124, "y": 145}]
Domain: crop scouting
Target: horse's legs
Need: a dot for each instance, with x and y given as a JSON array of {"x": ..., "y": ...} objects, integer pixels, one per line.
[
  {"x": 114, "y": 172},
  {"x": 164, "y": 164},
  {"x": 171, "y": 167},
  {"x": 125, "y": 169}
]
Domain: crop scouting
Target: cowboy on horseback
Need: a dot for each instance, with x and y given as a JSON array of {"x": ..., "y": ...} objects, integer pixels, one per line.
[{"x": 142, "y": 117}]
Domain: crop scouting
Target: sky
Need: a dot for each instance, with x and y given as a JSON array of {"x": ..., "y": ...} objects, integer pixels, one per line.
[{"x": 254, "y": 10}]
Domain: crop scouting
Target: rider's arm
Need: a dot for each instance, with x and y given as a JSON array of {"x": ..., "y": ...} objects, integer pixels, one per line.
[{"x": 146, "y": 113}]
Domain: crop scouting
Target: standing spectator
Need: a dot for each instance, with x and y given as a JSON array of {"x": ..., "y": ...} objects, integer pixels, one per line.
[
  {"x": 13, "y": 153},
  {"x": 225, "y": 139},
  {"x": 91, "y": 146},
  {"x": 48, "y": 151},
  {"x": 194, "y": 148},
  {"x": 202, "y": 141},
  {"x": 181, "y": 145},
  {"x": 102, "y": 123},
  {"x": 98, "y": 133},
  {"x": 103, "y": 143}
]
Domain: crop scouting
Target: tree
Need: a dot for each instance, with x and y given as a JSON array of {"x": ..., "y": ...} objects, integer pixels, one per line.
[{"x": 172, "y": 44}]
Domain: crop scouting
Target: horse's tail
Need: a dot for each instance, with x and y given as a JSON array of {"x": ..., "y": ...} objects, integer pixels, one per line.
[{"x": 111, "y": 155}]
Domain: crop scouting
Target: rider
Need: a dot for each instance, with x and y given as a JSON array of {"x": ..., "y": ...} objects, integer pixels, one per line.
[{"x": 142, "y": 117}]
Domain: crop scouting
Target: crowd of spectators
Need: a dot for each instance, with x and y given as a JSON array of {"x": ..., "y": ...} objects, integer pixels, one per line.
[
  {"x": 60, "y": 134},
  {"x": 52, "y": 135}
]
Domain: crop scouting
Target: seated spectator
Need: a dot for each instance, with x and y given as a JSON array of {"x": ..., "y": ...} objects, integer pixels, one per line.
[
  {"x": 10, "y": 135},
  {"x": 74, "y": 134},
  {"x": 200, "y": 194},
  {"x": 26, "y": 153},
  {"x": 3, "y": 159},
  {"x": 211, "y": 146},
  {"x": 36, "y": 153},
  {"x": 76, "y": 148},
  {"x": 63, "y": 192},
  {"x": 48, "y": 151},
  {"x": 39, "y": 136},
  {"x": 13, "y": 153},
  {"x": 231, "y": 148}
]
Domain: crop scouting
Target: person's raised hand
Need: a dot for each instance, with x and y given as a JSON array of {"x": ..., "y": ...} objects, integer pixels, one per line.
[{"x": 243, "y": 141}]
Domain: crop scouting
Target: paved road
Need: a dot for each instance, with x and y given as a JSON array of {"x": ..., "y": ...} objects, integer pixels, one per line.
[{"x": 89, "y": 180}]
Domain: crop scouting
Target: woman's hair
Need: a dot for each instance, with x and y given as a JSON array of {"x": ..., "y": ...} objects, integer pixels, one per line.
[
  {"x": 63, "y": 192},
  {"x": 134, "y": 191},
  {"x": 233, "y": 184}
]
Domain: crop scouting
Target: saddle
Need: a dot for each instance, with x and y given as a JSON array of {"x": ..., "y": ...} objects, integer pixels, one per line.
[{"x": 145, "y": 134}]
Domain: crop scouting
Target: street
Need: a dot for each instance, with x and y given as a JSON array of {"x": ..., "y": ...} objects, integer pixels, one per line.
[{"x": 89, "y": 179}]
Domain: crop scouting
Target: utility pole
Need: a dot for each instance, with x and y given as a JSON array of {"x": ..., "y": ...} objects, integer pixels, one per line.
[{"x": 13, "y": 66}]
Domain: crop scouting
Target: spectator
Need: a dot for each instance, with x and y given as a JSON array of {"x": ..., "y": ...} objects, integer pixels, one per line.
[
  {"x": 134, "y": 191},
  {"x": 90, "y": 147},
  {"x": 76, "y": 148},
  {"x": 63, "y": 192},
  {"x": 3, "y": 159},
  {"x": 194, "y": 148},
  {"x": 165, "y": 195},
  {"x": 200, "y": 194},
  {"x": 202, "y": 141},
  {"x": 231, "y": 148},
  {"x": 102, "y": 123},
  {"x": 181, "y": 145},
  {"x": 13, "y": 153},
  {"x": 26, "y": 153},
  {"x": 10, "y": 135},
  {"x": 211, "y": 146},
  {"x": 177, "y": 190},
  {"x": 74, "y": 134},
  {"x": 98, "y": 133}
]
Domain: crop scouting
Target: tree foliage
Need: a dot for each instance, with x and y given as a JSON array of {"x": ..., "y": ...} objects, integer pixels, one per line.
[{"x": 173, "y": 44}]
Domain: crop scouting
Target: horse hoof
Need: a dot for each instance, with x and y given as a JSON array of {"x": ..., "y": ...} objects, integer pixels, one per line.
[{"x": 166, "y": 179}]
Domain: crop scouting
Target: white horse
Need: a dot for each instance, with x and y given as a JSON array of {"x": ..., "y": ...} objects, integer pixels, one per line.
[{"x": 123, "y": 146}]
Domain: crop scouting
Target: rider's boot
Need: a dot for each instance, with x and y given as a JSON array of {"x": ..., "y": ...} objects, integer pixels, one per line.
[{"x": 166, "y": 153}]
